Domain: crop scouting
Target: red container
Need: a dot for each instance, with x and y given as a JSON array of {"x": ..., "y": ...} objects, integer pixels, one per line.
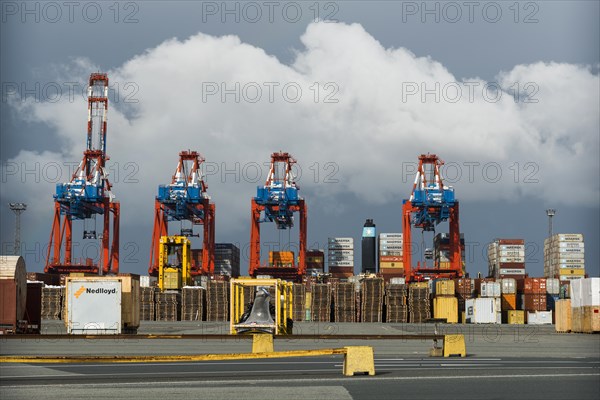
[
  {"x": 341, "y": 272},
  {"x": 511, "y": 241},
  {"x": 8, "y": 305},
  {"x": 534, "y": 285},
  {"x": 390, "y": 259},
  {"x": 534, "y": 302}
]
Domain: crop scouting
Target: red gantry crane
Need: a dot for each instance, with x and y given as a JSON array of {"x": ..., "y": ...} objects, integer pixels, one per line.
[
  {"x": 277, "y": 201},
  {"x": 86, "y": 196},
  {"x": 429, "y": 204},
  {"x": 185, "y": 199}
]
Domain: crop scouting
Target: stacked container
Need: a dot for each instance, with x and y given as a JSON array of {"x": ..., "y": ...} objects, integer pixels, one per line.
[
  {"x": 340, "y": 257},
  {"x": 585, "y": 304},
  {"x": 390, "y": 255},
  {"x": 147, "y": 303},
  {"x": 283, "y": 259},
  {"x": 534, "y": 294},
  {"x": 552, "y": 293},
  {"x": 298, "y": 302},
  {"x": 217, "y": 301},
  {"x": 506, "y": 258},
  {"x": 52, "y": 302},
  {"x": 441, "y": 250},
  {"x": 445, "y": 304},
  {"x": 465, "y": 289},
  {"x": 168, "y": 306},
  {"x": 564, "y": 256},
  {"x": 315, "y": 262},
  {"x": 227, "y": 259}
]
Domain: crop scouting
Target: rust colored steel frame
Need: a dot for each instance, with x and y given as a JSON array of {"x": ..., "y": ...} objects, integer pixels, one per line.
[
  {"x": 256, "y": 210},
  {"x": 208, "y": 245},
  {"x": 61, "y": 234},
  {"x": 456, "y": 269}
]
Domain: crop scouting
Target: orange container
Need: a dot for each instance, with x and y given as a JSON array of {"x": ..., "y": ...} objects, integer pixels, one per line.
[{"x": 509, "y": 301}]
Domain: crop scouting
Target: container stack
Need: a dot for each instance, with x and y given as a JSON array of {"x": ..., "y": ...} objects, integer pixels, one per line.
[
  {"x": 390, "y": 255},
  {"x": 217, "y": 301},
  {"x": 445, "y": 304},
  {"x": 552, "y": 293},
  {"x": 465, "y": 289},
  {"x": 340, "y": 257},
  {"x": 299, "y": 302},
  {"x": 585, "y": 305},
  {"x": 284, "y": 259},
  {"x": 534, "y": 294},
  {"x": 227, "y": 259},
  {"x": 564, "y": 256},
  {"x": 441, "y": 250},
  {"x": 506, "y": 258},
  {"x": 396, "y": 306},
  {"x": 418, "y": 302},
  {"x": 147, "y": 303},
  {"x": 52, "y": 302},
  {"x": 168, "y": 306},
  {"x": 315, "y": 262},
  {"x": 344, "y": 302},
  {"x": 320, "y": 308},
  {"x": 192, "y": 303},
  {"x": 372, "y": 300}
]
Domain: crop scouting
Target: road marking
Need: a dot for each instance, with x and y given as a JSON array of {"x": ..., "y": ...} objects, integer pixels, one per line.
[{"x": 306, "y": 380}]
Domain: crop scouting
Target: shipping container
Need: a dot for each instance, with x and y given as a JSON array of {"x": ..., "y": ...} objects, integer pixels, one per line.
[
  {"x": 483, "y": 311},
  {"x": 508, "y": 286},
  {"x": 552, "y": 286},
  {"x": 446, "y": 308},
  {"x": 515, "y": 317},
  {"x": 33, "y": 307},
  {"x": 395, "y": 264},
  {"x": 508, "y": 301},
  {"x": 93, "y": 306},
  {"x": 539, "y": 318},
  {"x": 490, "y": 289},
  {"x": 444, "y": 287}
]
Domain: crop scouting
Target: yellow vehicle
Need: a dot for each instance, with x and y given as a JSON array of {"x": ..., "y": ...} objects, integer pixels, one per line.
[{"x": 174, "y": 263}]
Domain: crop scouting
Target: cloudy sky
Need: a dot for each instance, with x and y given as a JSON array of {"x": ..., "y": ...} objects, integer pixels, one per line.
[{"x": 506, "y": 93}]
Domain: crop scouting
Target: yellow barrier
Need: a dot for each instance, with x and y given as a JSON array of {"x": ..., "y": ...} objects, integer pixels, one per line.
[{"x": 357, "y": 359}]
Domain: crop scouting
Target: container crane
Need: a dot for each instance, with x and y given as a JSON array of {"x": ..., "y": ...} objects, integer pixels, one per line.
[
  {"x": 185, "y": 199},
  {"x": 429, "y": 204},
  {"x": 276, "y": 202},
  {"x": 87, "y": 195}
]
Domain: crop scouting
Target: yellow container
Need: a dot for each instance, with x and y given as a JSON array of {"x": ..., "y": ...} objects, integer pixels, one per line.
[
  {"x": 444, "y": 287},
  {"x": 515, "y": 317},
  {"x": 172, "y": 278},
  {"x": 420, "y": 285},
  {"x": 446, "y": 308},
  {"x": 391, "y": 264},
  {"x": 572, "y": 272}
]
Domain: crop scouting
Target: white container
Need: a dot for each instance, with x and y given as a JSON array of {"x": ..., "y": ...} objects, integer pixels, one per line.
[
  {"x": 512, "y": 247},
  {"x": 512, "y": 253},
  {"x": 539, "y": 318},
  {"x": 512, "y": 271},
  {"x": 398, "y": 281},
  {"x": 512, "y": 259},
  {"x": 571, "y": 245},
  {"x": 341, "y": 263},
  {"x": 341, "y": 253},
  {"x": 147, "y": 281},
  {"x": 509, "y": 286},
  {"x": 391, "y": 236},
  {"x": 572, "y": 277},
  {"x": 341, "y": 240},
  {"x": 590, "y": 292},
  {"x": 552, "y": 286},
  {"x": 482, "y": 311},
  {"x": 568, "y": 237},
  {"x": 390, "y": 247},
  {"x": 341, "y": 246},
  {"x": 340, "y": 258},
  {"x": 490, "y": 289},
  {"x": 94, "y": 306}
]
